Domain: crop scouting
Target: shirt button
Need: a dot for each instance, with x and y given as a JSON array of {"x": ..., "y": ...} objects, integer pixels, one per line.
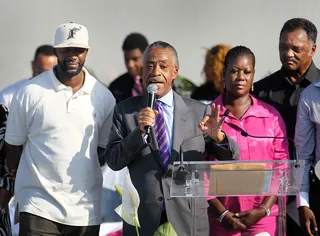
[{"x": 160, "y": 199}]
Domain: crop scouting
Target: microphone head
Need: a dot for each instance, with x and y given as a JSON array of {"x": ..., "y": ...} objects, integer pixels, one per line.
[{"x": 152, "y": 88}]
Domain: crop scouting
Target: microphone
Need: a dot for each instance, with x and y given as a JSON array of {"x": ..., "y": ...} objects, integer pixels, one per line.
[
  {"x": 224, "y": 116},
  {"x": 152, "y": 89},
  {"x": 295, "y": 153}
]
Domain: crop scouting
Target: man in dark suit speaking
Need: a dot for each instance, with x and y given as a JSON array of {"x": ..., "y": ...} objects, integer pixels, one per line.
[{"x": 172, "y": 120}]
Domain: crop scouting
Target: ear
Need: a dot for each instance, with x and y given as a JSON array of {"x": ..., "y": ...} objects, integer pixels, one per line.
[
  {"x": 252, "y": 87},
  {"x": 175, "y": 73},
  {"x": 313, "y": 50}
]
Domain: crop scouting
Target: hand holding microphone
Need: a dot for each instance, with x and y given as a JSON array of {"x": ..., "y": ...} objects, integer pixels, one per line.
[
  {"x": 146, "y": 120},
  {"x": 147, "y": 115}
]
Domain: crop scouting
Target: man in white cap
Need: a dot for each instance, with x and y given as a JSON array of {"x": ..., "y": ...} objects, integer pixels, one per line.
[{"x": 59, "y": 125}]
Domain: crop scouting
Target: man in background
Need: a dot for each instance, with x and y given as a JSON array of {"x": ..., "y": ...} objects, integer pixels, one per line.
[
  {"x": 130, "y": 84},
  {"x": 282, "y": 89},
  {"x": 307, "y": 137},
  {"x": 44, "y": 60}
]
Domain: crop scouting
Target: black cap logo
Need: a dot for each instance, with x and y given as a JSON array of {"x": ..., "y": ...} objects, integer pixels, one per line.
[{"x": 72, "y": 32}]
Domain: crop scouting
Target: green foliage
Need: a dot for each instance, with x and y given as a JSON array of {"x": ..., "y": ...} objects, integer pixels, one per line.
[
  {"x": 165, "y": 229},
  {"x": 184, "y": 86}
]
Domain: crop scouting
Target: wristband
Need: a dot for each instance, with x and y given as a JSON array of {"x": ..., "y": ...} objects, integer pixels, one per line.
[
  {"x": 263, "y": 206},
  {"x": 220, "y": 218}
]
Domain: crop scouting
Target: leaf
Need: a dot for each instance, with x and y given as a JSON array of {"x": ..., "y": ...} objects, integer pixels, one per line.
[{"x": 165, "y": 229}]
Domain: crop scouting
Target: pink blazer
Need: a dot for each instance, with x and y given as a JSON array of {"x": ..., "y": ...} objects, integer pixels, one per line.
[{"x": 261, "y": 119}]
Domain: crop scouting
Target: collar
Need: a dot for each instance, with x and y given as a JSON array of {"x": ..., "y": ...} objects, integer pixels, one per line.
[
  {"x": 167, "y": 99},
  {"x": 257, "y": 108},
  {"x": 317, "y": 84},
  {"x": 311, "y": 74},
  {"x": 86, "y": 87}
]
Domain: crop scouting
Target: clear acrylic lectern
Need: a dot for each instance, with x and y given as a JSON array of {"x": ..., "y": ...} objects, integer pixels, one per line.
[{"x": 239, "y": 178}]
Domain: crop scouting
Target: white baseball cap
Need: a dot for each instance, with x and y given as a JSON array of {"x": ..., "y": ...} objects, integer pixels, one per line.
[{"x": 71, "y": 35}]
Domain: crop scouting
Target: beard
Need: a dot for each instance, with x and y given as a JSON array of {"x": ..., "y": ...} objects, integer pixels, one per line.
[{"x": 64, "y": 68}]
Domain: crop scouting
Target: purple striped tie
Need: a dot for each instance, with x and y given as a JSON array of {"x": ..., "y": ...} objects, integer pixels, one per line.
[
  {"x": 137, "y": 89},
  {"x": 161, "y": 135}
]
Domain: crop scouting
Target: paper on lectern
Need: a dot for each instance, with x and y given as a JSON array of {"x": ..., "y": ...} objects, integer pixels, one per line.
[{"x": 237, "y": 179}]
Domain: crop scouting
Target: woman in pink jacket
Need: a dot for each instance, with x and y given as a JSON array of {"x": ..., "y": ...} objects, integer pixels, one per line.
[{"x": 249, "y": 215}]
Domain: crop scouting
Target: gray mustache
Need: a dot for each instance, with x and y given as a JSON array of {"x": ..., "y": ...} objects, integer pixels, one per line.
[{"x": 293, "y": 59}]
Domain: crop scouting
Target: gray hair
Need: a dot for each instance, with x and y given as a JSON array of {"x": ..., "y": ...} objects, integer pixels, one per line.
[
  {"x": 163, "y": 45},
  {"x": 301, "y": 23}
]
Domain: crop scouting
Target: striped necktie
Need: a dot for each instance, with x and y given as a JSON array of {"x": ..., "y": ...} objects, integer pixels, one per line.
[
  {"x": 137, "y": 89},
  {"x": 161, "y": 135}
]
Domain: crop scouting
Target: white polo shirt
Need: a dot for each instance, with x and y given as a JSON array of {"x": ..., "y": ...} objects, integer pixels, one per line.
[{"x": 59, "y": 177}]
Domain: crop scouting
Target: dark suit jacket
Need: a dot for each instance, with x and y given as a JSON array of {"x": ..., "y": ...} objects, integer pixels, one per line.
[
  {"x": 127, "y": 148},
  {"x": 206, "y": 92},
  {"x": 121, "y": 87},
  {"x": 284, "y": 96}
]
